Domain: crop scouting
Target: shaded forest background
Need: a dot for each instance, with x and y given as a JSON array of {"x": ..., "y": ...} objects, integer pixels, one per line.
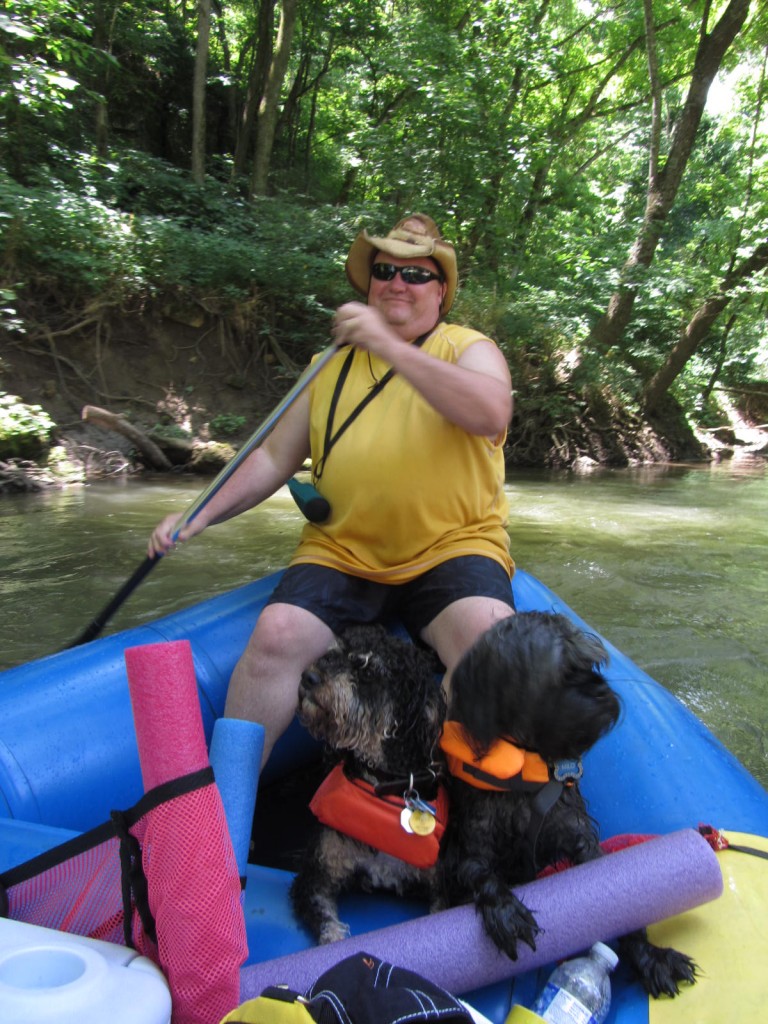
[{"x": 180, "y": 183}]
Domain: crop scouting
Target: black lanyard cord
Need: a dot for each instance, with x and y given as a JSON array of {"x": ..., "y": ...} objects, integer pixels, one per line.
[{"x": 330, "y": 437}]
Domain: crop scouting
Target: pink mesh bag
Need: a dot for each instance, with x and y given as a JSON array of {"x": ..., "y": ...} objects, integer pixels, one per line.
[
  {"x": 75, "y": 887},
  {"x": 117, "y": 883},
  {"x": 161, "y": 877}
]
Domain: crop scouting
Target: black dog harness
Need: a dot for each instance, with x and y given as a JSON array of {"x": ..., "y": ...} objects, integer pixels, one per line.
[{"x": 507, "y": 768}]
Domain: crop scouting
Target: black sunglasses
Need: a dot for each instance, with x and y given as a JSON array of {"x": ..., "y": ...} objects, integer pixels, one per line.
[{"x": 411, "y": 275}]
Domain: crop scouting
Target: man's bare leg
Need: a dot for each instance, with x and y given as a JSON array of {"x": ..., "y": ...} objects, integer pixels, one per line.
[
  {"x": 456, "y": 628},
  {"x": 265, "y": 681}
]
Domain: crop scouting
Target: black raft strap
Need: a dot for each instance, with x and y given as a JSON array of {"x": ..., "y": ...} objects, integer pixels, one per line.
[
  {"x": 167, "y": 791},
  {"x": 135, "y": 890}
]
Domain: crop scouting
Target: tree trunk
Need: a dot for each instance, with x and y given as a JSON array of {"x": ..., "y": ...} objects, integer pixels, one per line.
[
  {"x": 263, "y": 50},
  {"x": 722, "y": 352},
  {"x": 266, "y": 118},
  {"x": 664, "y": 182},
  {"x": 103, "y": 33},
  {"x": 699, "y": 326},
  {"x": 221, "y": 33},
  {"x": 198, "y": 91},
  {"x": 112, "y": 421}
]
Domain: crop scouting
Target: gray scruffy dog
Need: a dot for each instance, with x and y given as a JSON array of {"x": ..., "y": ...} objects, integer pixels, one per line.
[
  {"x": 376, "y": 703},
  {"x": 533, "y": 679}
]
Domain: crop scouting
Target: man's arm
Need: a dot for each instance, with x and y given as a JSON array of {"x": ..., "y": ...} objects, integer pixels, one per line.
[
  {"x": 475, "y": 393},
  {"x": 263, "y": 472}
]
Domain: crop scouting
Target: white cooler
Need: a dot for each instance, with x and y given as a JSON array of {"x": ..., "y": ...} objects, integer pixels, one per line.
[{"x": 47, "y": 975}]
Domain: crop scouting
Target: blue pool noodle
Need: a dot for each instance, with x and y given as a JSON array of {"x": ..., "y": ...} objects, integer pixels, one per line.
[{"x": 235, "y": 754}]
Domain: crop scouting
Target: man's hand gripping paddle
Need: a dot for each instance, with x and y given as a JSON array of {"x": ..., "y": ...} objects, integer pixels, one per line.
[{"x": 97, "y": 624}]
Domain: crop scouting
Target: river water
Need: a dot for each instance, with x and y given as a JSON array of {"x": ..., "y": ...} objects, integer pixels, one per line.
[{"x": 670, "y": 564}]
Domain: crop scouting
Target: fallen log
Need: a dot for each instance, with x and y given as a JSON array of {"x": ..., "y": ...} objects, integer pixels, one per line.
[{"x": 112, "y": 421}]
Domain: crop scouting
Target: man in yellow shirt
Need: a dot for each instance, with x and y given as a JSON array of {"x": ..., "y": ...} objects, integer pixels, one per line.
[{"x": 405, "y": 429}]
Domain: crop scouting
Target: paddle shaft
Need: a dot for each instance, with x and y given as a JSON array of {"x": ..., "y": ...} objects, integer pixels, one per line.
[{"x": 259, "y": 435}]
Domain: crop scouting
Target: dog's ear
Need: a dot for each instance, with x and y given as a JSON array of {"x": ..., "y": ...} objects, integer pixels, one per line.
[
  {"x": 582, "y": 650},
  {"x": 533, "y": 677},
  {"x": 420, "y": 700}
]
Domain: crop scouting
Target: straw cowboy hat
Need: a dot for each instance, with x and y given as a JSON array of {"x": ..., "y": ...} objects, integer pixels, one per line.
[{"x": 420, "y": 238}]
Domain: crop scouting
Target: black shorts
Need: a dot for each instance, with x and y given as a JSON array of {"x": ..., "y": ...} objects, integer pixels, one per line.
[{"x": 341, "y": 600}]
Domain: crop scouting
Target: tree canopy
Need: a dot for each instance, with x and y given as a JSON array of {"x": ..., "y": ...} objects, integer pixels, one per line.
[{"x": 600, "y": 165}]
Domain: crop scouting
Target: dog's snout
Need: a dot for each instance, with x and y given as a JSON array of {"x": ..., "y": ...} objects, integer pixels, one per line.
[{"x": 310, "y": 678}]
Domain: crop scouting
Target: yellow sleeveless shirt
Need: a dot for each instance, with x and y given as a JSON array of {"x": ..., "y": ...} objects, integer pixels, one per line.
[{"x": 407, "y": 488}]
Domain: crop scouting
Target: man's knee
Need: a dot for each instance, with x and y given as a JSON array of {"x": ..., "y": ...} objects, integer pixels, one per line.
[
  {"x": 456, "y": 628},
  {"x": 288, "y": 632}
]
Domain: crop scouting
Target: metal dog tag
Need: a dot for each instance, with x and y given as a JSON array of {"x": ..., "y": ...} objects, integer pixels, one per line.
[
  {"x": 422, "y": 823},
  {"x": 405, "y": 820},
  {"x": 568, "y": 770}
]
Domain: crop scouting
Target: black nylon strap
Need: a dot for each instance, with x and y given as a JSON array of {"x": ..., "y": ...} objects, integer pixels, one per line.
[
  {"x": 748, "y": 849},
  {"x": 541, "y": 805},
  {"x": 330, "y": 437},
  {"x": 514, "y": 784},
  {"x": 135, "y": 889}
]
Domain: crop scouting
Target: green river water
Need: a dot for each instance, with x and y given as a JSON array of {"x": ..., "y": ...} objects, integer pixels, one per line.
[{"x": 670, "y": 564}]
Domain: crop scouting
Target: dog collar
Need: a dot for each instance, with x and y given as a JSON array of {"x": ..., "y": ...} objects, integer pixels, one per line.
[
  {"x": 505, "y": 767},
  {"x": 390, "y": 784}
]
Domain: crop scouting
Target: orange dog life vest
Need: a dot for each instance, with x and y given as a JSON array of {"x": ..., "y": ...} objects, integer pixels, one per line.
[
  {"x": 351, "y": 806},
  {"x": 505, "y": 766}
]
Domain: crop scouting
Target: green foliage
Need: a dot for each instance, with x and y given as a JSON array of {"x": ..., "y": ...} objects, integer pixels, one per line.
[
  {"x": 226, "y": 425},
  {"x": 139, "y": 228},
  {"x": 170, "y": 430},
  {"x": 48, "y": 64},
  {"x": 523, "y": 127},
  {"x": 24, "y": 429},
  {"x": 709, "y": 413}
]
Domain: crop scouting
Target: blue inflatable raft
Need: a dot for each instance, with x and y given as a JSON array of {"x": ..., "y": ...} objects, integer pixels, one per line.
[{"x": 68, "y": 757}]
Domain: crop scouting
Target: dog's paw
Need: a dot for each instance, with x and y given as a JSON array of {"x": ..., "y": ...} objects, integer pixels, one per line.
[
  {"x": 661, "y": 970},
  {"x": 333, "y": 931},
  {"x": 508, "y": 924}
]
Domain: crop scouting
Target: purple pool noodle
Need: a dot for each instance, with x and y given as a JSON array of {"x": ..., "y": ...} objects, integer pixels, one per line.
[{"x": 601, "y": 900}]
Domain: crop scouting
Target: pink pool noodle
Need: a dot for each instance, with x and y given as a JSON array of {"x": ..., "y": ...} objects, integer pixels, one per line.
[
  {"x": 166, "y": 711},
  {"x": 601, "y": 900},
  {"x": 187, "y": 855}
]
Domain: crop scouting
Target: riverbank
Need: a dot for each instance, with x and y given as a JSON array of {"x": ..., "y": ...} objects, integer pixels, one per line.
[
  {"x": 81, "y": 452},
  {"x": 164, "y": 393}
]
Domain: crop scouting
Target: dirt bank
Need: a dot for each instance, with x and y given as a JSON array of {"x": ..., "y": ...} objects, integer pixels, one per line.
[{"x": 186, "y": 379}]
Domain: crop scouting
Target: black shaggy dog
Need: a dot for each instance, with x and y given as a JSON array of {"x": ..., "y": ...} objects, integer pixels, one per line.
[
  {"x": 376, "y": 703},
  {"x": 533, "y": 679}
]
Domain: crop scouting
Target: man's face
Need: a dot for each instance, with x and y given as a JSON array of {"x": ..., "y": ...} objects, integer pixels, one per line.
[{"x": 410, "y": 308}]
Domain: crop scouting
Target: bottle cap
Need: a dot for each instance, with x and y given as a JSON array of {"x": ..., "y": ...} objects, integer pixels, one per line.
[{"x": 605, "y": 953}]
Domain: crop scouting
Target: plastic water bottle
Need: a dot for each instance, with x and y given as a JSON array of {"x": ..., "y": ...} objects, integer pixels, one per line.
[{"x": 579, "y": 990}]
